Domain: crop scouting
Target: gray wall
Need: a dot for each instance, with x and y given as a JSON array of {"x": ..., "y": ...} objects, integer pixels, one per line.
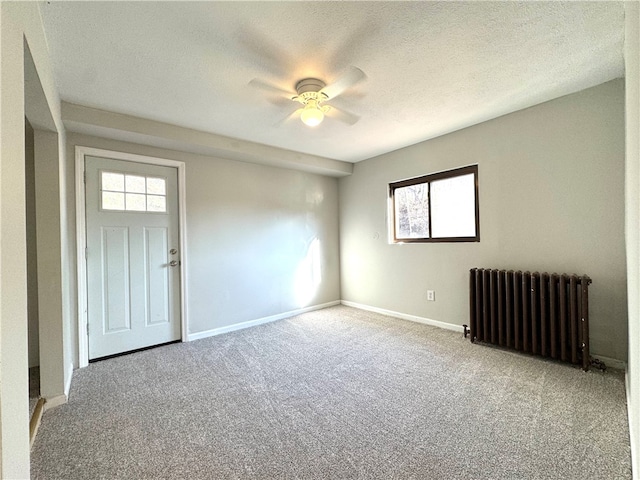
[
  {"x": 551, "y": 186},
  {"x": 249, "y": 233}
]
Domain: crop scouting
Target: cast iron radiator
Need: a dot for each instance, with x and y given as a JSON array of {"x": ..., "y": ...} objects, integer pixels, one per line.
[{"x": 538, "y": 313}]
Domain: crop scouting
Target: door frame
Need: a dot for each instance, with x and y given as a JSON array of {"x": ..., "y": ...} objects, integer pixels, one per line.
[{"x": 81, "y": 236}]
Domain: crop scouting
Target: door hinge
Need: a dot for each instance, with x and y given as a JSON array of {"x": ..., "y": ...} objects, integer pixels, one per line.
[{"x": 87, "y": 329}]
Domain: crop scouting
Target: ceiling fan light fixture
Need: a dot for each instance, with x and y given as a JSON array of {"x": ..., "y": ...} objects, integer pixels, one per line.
[
  {"x": 312, "y": 115},
  {"x": 312, "y": 93}
]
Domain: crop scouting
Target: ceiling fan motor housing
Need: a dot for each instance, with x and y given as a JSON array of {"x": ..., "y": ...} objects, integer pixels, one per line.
[
  {"x": 309, "y": 85},
  {"x": 309, "y": 89}
]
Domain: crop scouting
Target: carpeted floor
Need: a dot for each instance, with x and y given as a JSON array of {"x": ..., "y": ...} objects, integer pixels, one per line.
[{"x": 335, "y": 394}]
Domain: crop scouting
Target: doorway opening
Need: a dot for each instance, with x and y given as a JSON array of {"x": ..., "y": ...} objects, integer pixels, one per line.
[
  {"x": 108, "y": 230},
  {"x": 33, "y": 325},
  {"x": 44, "y": 229}
]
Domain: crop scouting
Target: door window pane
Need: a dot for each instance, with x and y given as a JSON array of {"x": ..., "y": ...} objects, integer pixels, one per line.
[
  {"x": 156, "y": 203},
  {"x": 133, "y": 193},
  {"x": 112, "y": 201},
  {"x": 136, "y": 202},
  {"x": 135, "y": 184},
  {"x": 113, "y": 182},
  {"x": 156, "y": 186}
]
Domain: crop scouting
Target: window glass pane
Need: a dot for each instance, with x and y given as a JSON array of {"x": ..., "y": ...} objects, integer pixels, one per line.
[
  {"x": 156, "y": 186},
  {"x": 136, "y": 202},
  {"x": 412, "y": 211},
  {"x": 134, "y": 193},
  {"x": 135, "y": 184},
  {"x": 156, "y": 203},
  {"x": 112, "y": 201},
  {"x": 113, "y": 181},
  {"x": 453, "y": 207}
]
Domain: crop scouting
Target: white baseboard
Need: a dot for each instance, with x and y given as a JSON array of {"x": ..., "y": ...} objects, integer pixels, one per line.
[
  {"x": 67, "y": 383},
  {"x": 608, "y": 361},
  {"x": 259, "y": 321},
  {"x": 611, "y": 362},
  {"x": 52, "y": 402},
  {"x": 405, "y": 316}
]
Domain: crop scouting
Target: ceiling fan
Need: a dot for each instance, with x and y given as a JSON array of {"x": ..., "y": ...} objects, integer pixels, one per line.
[{"x": 312, "y": 93}]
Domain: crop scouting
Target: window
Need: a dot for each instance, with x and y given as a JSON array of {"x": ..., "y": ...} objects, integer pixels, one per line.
[
  {"x": 440, "y": 207},
  {"x": 132, "y": 193}
]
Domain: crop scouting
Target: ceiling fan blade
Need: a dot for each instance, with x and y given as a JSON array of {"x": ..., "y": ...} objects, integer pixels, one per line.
[
  {"x": 353, "y": 76},
  {"x": 343, "y": 116},
  {"x": 295, "y": 114},
  {"x": 281, "y": 102},
  {"x": 352, "y": 45},
  {"x": 262, "y": 85},
  {"x": 264, "y": 53}
]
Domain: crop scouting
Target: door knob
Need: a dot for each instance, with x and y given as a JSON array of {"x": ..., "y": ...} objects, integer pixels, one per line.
[{"x": 173, "y": 263}]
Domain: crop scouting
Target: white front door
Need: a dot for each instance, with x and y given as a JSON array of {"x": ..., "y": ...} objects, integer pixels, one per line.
[{"x": 133, "y": 258}]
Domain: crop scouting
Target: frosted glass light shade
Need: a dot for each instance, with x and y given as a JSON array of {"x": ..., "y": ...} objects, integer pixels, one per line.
[{"x": 311, "y": 115}]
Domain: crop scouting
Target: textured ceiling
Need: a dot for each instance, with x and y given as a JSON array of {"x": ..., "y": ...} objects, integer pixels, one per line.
[{"x": 432, "y": 67}]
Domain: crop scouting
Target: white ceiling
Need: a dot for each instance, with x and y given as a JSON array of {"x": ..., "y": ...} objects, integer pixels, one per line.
[{"x": 432, "y": 67}]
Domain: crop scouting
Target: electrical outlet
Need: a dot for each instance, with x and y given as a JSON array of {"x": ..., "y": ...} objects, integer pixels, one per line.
[{"x": 431, "y": 295}]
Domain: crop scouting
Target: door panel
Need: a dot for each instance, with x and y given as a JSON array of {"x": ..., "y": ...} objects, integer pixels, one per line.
[
  {"x": 156, "y": 275},
  {"x": 115, "y": 279},
  {"x": 133, "y": 290}
]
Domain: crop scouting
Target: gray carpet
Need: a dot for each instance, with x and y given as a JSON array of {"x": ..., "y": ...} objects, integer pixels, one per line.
[{"x": 336, "y": 394}]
